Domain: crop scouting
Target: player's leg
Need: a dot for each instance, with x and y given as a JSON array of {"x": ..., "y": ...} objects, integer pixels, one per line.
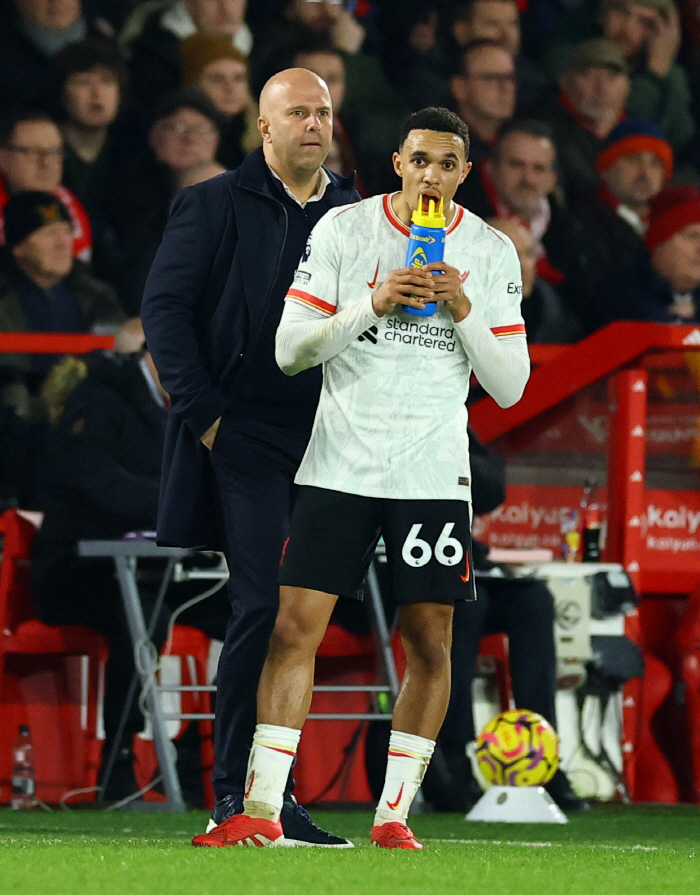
[
  {"x": 332, "y": 538},
  {"x": 284, "y": 696},
  {"x": 426, "y": 633},
  {"x": 428, "y": 546}
]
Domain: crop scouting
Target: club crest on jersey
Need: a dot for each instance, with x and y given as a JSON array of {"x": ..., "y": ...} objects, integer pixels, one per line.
[{"x": 307, "y": 251}]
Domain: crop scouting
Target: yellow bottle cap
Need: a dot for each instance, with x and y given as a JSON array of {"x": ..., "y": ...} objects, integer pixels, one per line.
[{"x": 430, "y": 216}]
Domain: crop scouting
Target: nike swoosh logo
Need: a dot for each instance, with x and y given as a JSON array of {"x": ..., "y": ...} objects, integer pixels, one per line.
[
  {"x": 249, "y": 788},
  {"x": 463, "y": 276},
  {"x": 467, "y": 572},
  {"x": 395, "y": 805},
  {"x": 376, "y": 277}
]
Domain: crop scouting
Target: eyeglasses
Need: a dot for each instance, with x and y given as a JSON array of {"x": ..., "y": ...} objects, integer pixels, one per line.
[
  {"x": 37, "y": 154},
  {"x": 493, "y": 77},
  {"x": 180, "y": 128}
]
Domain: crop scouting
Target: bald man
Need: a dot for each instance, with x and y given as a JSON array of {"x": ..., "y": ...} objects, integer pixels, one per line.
[{"x": 237, "y": 426}]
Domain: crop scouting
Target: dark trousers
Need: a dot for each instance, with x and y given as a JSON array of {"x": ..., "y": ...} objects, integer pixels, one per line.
[
  {"x": 254, "y": 465},
  {"x": 524, "y": 610}
]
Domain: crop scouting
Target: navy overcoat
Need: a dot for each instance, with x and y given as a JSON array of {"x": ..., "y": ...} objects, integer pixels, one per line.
[{"x": 203, "y": 306}]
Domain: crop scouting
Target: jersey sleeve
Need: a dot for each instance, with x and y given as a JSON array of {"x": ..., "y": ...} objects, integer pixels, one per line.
[
  {"x": 493, "y": 335},
  {"x": 317, "y": 277},
  {"x": 502, "y": 311}
]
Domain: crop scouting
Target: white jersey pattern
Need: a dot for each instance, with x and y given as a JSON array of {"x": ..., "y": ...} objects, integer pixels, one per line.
[{"x": 392, "y": 421}]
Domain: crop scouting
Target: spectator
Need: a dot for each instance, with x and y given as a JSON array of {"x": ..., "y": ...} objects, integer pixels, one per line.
[
  {"x": 499, "y": 21},
  {"x": 519, "y": 182},
  {"x": 608, "y": 225},
  {"x": 31, "y": 34},
  {"x": 44, "y": 289},
  {"x": 153, "y": 45},
  {"x": 184, "y": 133},
  {"x": 329, "y": 65},
  {"x": 200, "y": 172},
  {"x": 219, "y": 70},
  {"x": 484, "y": 94},
  {"x": 648, "y": 34},
  {"x": 105, "y": 457},
  {"x": 594, "y": 89},
  {"x": 665, "y": 285},
  {"x": 546, "y": 317},
  {"x": 31, "y": 158},
  {"x": 328, "y": 17},
  {"x": 99, "y": 142},
  {"x": 372, "y": 111}
]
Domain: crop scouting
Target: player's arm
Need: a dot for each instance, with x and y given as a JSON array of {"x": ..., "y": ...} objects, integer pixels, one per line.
[
  {"x": 307, "y": 337},
  {"x": 495, "y": 341}
]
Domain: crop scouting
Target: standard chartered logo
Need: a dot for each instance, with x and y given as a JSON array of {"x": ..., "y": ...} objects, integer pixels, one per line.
[{"x": 436, "y": 336}]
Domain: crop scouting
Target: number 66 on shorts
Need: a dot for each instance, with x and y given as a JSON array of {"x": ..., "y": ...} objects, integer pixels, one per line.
[{"x": 333, "y": 536}]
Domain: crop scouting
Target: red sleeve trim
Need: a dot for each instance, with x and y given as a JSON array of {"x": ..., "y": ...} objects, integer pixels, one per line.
[
  {"x": 311, "y": 300},
  {"x": 515, "y": 329}
]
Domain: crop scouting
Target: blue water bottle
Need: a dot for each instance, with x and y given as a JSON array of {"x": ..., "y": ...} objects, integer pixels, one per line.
[{"x": 426, "y": 243}]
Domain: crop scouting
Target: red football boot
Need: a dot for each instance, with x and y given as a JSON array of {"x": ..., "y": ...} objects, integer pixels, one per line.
[
  {"x": 394, "y": 835},
  {"x": 240, "y": 829}
]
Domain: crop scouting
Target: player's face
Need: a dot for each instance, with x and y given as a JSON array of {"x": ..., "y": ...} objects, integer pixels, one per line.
[{"x": 431, "y": 164}]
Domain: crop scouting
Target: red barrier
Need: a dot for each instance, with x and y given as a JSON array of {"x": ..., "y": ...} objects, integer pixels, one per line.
[{"x": 52, "y": 343}]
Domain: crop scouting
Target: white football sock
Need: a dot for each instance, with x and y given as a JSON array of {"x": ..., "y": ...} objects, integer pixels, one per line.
[
  {"x": 409, "y": 756},
  {"x": 269, "y": 764}
]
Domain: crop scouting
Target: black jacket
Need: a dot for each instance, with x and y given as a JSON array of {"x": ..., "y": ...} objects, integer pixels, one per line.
[
  {"x": 104, "y": 461},
  {"x": 212, "y": 281},
  {"x": 639, "y": 293}
]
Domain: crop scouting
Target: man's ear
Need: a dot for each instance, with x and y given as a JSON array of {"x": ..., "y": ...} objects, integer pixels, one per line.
[
  {"x": 465, "y": 171},
  {"x": 264, "y": 129},
  {"x": 396, "y": 161}
]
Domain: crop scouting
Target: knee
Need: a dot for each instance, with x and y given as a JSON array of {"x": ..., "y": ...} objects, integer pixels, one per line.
[
  {"x": 429, "y": 649},
  {"x": 294, "y": 630}
]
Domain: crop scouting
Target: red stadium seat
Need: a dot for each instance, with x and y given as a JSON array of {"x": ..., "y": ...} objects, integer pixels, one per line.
[{"x": 42, "y": 677}]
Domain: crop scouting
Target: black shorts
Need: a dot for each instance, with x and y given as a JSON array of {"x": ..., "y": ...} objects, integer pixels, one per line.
[{"x": 333, "y": 536}]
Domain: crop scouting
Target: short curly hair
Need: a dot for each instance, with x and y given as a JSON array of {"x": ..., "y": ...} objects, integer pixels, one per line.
[{"x": 435, "y": 118}]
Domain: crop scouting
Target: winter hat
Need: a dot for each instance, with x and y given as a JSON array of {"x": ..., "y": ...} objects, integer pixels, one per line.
[
  {"x": 634, "y": 135},
  {"x": 596, "y": 53},
  {"x": 29, "y": 211},
  {"x": 674, "y": 209},
  {"x": 199, "y": 50}
]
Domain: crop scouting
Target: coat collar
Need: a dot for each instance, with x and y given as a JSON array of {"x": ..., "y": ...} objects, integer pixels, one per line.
[{"x": 254, "y": 174}]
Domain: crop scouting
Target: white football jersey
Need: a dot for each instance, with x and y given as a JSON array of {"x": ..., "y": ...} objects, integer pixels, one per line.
[{"x": 392, "y": 420}]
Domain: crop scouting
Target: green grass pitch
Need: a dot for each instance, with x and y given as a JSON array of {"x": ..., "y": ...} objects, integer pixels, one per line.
[{"x": 611, "y": 850}]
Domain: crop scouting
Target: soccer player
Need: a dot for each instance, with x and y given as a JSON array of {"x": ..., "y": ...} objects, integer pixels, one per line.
[{"x": 388, "y": 455}]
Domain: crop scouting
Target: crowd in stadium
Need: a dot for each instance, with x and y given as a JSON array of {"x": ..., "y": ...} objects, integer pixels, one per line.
[{"x": 584, "y": 126}]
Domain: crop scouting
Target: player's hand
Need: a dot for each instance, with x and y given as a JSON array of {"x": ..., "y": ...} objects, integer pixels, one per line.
[
  {"x": 209, "y": 436},
  {"x": 447, "y": 286},
  {"x": 410, "y": 286}
]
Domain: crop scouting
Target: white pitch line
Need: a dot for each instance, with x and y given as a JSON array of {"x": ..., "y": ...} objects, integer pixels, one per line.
[{"x": 543, "y": 844}]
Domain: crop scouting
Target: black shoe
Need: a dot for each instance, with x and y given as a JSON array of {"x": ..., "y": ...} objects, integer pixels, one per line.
[
  {"x": 449, "y": 783},
  {"x": 560, "y": 790},
  {"x": 225, "y": 808},
  {"x": 299, "y": 829}
]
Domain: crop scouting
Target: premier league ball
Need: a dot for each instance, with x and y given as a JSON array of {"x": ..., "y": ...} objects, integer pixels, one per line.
[{"x": 518, "y": 748}]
